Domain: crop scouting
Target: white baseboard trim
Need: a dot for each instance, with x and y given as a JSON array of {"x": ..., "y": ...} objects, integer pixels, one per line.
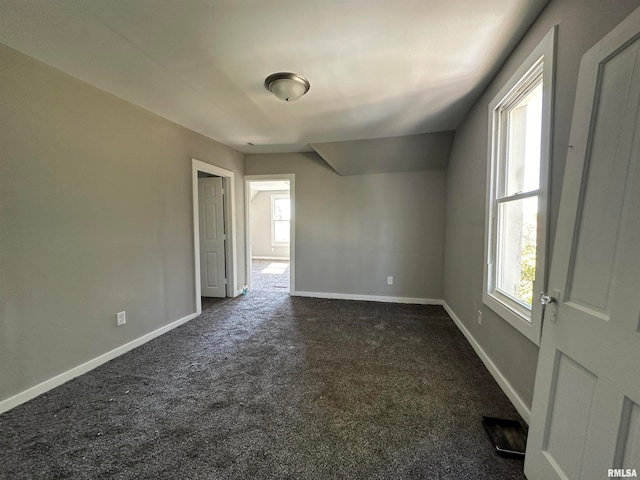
[
  {"x": 368, "y": 298},
  {"x": 502, "y": 382},
  {"x": 64, "y": 377}
]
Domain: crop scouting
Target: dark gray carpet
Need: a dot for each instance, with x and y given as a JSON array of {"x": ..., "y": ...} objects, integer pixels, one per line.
[{"x": 266, "y": 386}]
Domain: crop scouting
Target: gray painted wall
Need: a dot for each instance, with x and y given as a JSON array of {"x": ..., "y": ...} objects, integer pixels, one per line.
[
  {"x": 581, "y": 24},
  {"x": 261, "y": 227},
  {"x": 354, "y": 231},
  {"x": 95, "y": 216},
  {"x": 410, "y": 153}
]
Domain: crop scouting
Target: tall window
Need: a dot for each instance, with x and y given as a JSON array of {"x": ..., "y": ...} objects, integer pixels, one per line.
[
  {"x": 280, "y": 220},
  {"x": 520, "y": 123}
]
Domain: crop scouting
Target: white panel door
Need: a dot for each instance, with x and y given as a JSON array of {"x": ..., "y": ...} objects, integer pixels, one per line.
[
  {"x": 212, "y": 237},
  {"x": 585, "y": 417}
]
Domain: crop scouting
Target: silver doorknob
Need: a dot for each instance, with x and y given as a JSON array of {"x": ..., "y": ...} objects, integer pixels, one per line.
[{"x": 545, "y": 298}]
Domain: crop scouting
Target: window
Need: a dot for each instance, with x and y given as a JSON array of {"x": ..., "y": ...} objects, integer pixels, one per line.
[
  {"x": 280, "y": 220},
  {"x": 519, "y": 152}
]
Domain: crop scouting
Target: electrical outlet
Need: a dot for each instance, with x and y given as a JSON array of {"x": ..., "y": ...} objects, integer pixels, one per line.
[
  {"x": 479, "y": 317},
  {"x": 121, "y": 318},
  {"x": 389, "y": 280}
]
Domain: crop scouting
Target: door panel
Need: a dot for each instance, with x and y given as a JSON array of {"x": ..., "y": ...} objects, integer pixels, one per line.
[
  {"x": 585, "y": 418},
  {"x": 211, "y": 259},
  {"x": 210, "y": 222},
  {"x": 628, "y": 448},
  {"x": 602, "y": 200},
  {"x": 212, "y": 237},
  {"x": 566, "y": 431}
]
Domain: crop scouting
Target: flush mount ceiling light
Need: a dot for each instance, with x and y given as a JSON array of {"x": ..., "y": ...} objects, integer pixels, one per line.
[{"x": 287, "y": 86}]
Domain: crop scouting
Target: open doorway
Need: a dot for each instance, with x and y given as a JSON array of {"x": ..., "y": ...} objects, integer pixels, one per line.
[
  {"x": 270, "y": 206},
  {"x": 214, "y": 235}
]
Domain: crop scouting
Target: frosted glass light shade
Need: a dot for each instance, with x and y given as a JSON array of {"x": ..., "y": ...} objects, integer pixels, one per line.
[{"x": 287, "y": 86}]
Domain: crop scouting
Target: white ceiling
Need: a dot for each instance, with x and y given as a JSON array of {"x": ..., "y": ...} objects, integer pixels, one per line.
[
  {"x": 269, "y": 185},
  {"x": 258, "y": 186},
  {"x": 377, "y": 68}
]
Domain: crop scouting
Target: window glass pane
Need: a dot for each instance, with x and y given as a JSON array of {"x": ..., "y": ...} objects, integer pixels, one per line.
[
  {"x": 281, "y": 209},
  {"x": 516, "y": 252},
  {"x": 524, "y": 122},
  {"x": 281, "y": 231}
]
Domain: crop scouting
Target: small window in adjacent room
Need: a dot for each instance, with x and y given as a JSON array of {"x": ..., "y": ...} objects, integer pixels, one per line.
[
  {"x": 516, "y": 227},
  {"x": 280, "y": 219}
]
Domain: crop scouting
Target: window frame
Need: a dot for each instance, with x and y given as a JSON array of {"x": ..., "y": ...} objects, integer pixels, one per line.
[
  {"x": 528, "y": 322},
  {"x": 274, "y": 197}
]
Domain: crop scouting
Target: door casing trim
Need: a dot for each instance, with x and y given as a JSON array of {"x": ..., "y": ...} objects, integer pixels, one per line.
[{"x": 229, "y": 215}]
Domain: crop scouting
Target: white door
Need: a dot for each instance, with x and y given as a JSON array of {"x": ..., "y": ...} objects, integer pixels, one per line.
[
  {"x": 212, "y": 237},
  {"x": 585, "y": 418}
]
